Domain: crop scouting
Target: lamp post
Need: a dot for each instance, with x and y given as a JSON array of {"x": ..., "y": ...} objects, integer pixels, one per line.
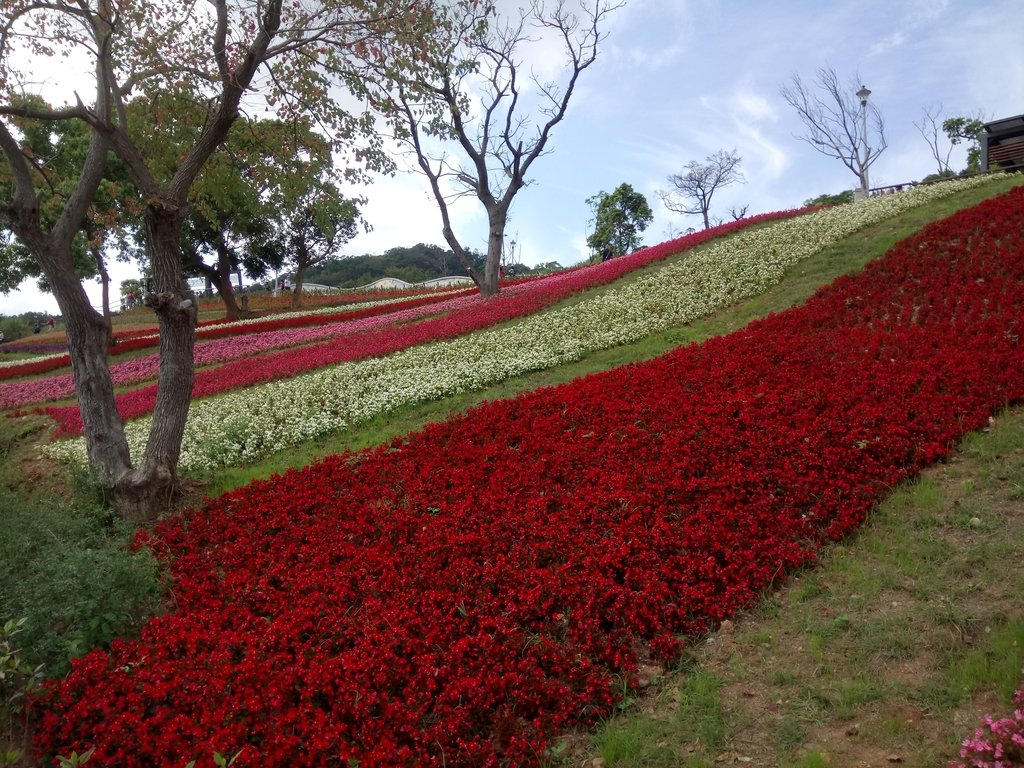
[{"x": 863, "y": 94}]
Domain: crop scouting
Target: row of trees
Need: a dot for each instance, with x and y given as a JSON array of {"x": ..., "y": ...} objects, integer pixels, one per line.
[
  {"x": 269, "y": 200},
  {"x": 186, "y": 136},
  {"x": 222, "y": 143},
  {"x": 157, "y": 88},
  {"x": 413, "y": 264}
]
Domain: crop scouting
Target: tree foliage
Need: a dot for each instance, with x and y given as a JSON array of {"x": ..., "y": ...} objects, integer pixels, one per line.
[
  {"x": 691, "y": 190},
  {"x": 839, "y": 198},
  {"x": 253, "y": 193},
  {"x": 413, "y": 264},
  {"x": 952, "y": 131},
  {"x": 619, "y": 219},
  {"x": 310, "y": 231},
  {"x": 970, "y": 130},
  {"x": 55, "y": 152},
  {"x": 235, "y": 55}
]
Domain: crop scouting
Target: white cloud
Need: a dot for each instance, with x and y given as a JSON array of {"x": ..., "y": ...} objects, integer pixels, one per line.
[{"x": 894, "y": 40}]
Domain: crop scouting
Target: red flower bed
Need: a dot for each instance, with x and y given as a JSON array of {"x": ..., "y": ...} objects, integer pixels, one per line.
[
  {"x": 523, "y": 298},
  {"x": 32, "y": 367},
  {"x": 458, "y": 596}
]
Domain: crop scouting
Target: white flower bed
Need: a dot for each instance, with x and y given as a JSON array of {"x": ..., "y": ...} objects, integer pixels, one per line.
[
  {"x": 242, "y": 426},
  {"x": 32, "y": 359}
]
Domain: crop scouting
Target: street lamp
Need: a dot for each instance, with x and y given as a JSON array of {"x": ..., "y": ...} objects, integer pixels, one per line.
[{"x": 863, "y": 94}]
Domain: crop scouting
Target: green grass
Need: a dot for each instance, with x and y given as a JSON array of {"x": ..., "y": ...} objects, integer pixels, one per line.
[
  {"x": 694, "y": 728},
  {"x": 67, "y": 567}
]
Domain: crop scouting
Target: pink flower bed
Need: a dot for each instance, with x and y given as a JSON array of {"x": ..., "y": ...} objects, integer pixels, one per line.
[
  {"x": 132, "y": 341},
  {"x": 376, "y": 336},
  {"x": 998, "y": 742},
  {"x": 242, "y": 345},
  {"x": 458, "y": 596}
]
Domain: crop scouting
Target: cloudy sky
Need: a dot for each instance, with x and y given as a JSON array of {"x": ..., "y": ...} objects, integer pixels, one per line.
[{"x": 678, "y": 80}]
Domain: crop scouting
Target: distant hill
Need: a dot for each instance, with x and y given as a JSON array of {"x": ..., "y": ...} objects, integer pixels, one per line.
[{"x": 416, "y": 264}]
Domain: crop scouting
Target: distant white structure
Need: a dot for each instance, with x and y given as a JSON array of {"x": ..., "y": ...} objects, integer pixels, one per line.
[
  {"x": 397, "y": 284},
  {"x": 318, "y": 288},
  {"x": 447, "y": 282},
  {"x": 385, "y": 284},
  {"x": 198, "y": 284}
]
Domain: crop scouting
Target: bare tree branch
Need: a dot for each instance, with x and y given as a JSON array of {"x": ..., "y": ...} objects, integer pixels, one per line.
[
  {"x": 469, "y": 93},
  {"x": 930, "y": 130},
  {"x": 692, "y": 189},
  {"x": 833, "y": 117}
]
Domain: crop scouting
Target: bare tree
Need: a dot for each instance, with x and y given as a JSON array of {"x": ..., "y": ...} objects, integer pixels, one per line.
[
  {"x": 692, "y": 189},
  {"x": 465, "y": 116},
  {"x": 739, "y": 212},
  {"x": 931, "y": 131},
  {"x": 834, "y": 119}
]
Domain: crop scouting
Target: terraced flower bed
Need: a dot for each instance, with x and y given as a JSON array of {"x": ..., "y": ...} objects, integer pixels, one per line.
[
  {"x": 241, "y": 426},
  {"x": 460, "y": 595}
]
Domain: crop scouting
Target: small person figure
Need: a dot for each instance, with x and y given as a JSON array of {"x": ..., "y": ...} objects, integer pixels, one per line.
[
  {"x": 50, "y": 323},
  {"x": 606, "y": 252}
]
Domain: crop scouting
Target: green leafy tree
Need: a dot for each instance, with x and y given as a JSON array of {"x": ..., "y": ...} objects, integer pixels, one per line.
[
  {"x": 311, "y": 230},
  {"x": 831, "y": 199},
  {"x": 969, "y": 130},
  {"x": 232, "y": 202},
  {"x": 293, "y": 55},
  {"x": 55, "y": 151},
  {"x": 14, "y": 327},
  {"x": 953, "y": 132},
  {"x": 619, "y": 218}
]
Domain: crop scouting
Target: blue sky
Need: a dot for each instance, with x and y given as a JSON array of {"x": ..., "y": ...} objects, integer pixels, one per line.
[{"x": 677, "y": 80}]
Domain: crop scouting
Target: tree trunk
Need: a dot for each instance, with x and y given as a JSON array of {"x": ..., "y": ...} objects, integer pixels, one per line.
[
  {"x": 495, "y": 242},
  {"x": 302, "y": 261},
  {"x": 88, "y": 335},
  {"x": 300, "y": 275},
  {"x": 226, "y": 291},
  {"x": 220, "y": 277},
  {"x": 223, "y": 282},
  {"x": 458, "y": 250},
  {"x": 101, "y": 268},
  {"x": 144, "y": 492}
]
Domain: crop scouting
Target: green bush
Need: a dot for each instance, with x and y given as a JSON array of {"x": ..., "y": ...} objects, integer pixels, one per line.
[{"x": 68, "y": 569}]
